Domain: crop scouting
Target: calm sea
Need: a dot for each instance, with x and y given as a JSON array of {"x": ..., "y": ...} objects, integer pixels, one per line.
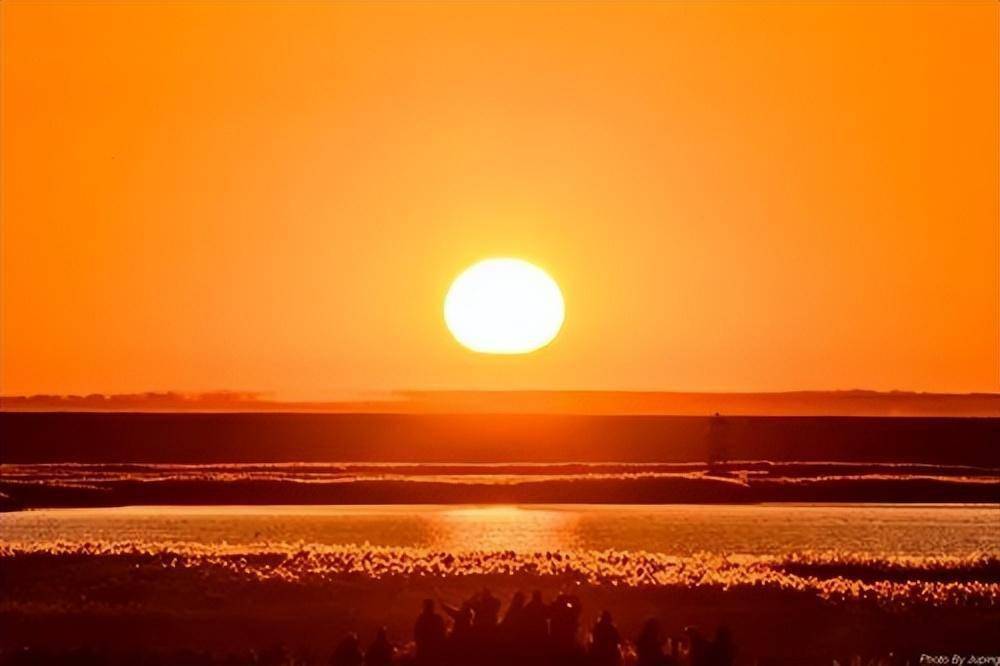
[{"x": 878, "y": 530}]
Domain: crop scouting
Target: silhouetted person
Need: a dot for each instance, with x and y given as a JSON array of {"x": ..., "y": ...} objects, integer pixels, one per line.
[
  {"x": 512, "y": 618},
  {"x": 534, "y": 633},
  {"x": 509, "y": 641},
  {"x": 605, "y": 642},
  {"x": 348, "y": 652},
  {"x": 699, "y": 649},
  {"x": 429, "y": 635},
  {"x": 462, "y": 648},
  {"x": 536, "y": 619},
  {"x": 649, "y": 645},
  {"x": 462, "y": 618},
  {"x": 564, "y": 617},
  {"x": 381, "y": 651},
  {"x": 486, "y": 624},
  {"x": 723, "y": 651},
  {"x": 487, "y": 609}
]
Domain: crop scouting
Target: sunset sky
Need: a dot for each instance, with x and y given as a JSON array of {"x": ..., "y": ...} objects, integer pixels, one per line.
[{"x": 276, "y": 196}]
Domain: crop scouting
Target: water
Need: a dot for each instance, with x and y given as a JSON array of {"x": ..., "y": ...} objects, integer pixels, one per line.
[{"x": 878, "y": 530}]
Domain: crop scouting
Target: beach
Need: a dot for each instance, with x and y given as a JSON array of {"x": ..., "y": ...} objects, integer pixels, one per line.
[{"x": 884, "y": 590}]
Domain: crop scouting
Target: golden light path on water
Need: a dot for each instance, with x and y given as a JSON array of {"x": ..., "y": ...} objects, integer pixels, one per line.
[
  {"x": 891, "y": 530},
  {"x": 898, "y": 556},
  {"x": 507, "y": 528}
]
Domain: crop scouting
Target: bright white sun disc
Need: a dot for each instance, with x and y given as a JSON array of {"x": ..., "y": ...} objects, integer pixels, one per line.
[{"x": 504, "y": 306}]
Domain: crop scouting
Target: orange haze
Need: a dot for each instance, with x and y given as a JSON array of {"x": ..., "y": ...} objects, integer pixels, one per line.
[{"x": 275, "y": 196}]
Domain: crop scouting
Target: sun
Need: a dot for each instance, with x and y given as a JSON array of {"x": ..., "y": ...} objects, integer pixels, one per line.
[{"x": 504, "y": 306}]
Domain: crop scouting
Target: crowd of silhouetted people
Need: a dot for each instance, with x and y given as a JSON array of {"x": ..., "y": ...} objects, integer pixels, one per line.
[{"x": 531, "y": 632}]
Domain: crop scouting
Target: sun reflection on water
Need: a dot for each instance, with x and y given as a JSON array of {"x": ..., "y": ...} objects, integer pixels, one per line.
[{"x": 499, "y": 528}]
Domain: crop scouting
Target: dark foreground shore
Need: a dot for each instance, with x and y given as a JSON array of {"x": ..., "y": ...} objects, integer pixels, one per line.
[{"x": 117, "y": 601}]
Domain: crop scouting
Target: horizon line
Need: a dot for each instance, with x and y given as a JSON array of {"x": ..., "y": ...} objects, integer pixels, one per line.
[{"x": 849, "y": 402}]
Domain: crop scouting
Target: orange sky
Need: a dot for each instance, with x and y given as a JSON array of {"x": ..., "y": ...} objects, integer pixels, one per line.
[{"x": 276, "y": 196}]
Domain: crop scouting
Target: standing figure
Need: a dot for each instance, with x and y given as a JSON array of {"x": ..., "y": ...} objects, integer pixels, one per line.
[
  {"x": 487, "y": 609},
  {"x": 534, "y": 633},
  {"x": 564, "y": 614},
  {"x": 605, "y": 643},
  {"x": 429, "y": 636},
  {"x": 381, "y": 651},
  {"x": 649, "y": 645},
  {"x": 463, "y": 648}
]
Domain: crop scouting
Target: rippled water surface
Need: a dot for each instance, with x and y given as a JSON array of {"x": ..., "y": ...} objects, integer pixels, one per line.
[{"x": 674, "y": 529}]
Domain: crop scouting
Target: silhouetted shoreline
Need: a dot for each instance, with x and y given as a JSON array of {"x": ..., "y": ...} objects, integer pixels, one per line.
[
  {"x": 119, "y": 459},
  {"x": 676, "y": 403},
  {"x": 107, "y": 485}
]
